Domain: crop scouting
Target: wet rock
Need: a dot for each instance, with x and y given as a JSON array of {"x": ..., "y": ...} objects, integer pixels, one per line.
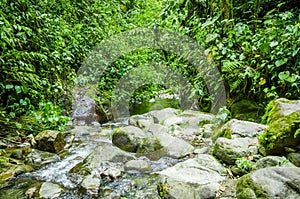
[
  {"x": 280, "y": 135},
  {"x": 37, "y": 158},
  {"x": 10, "y": 168},
  {"x": 272, "y": 182},
  {"x": 271, "y": 161},
  {"x": 138, "y": 165},
  {"x": 228, "y": 150},
  {"x": 280, "y": 108},
  {"x": 86, "y": 110},
  {"x": 51, "y": 141},
  {"x": 50, "y": 190},
  {"x": 90, "y": 185},
  {"x": 161, "y": 115},
  {"x": 128, "y": 138},
  {"x": 294, "y": 158},
  {"x": 102, "y": 157},
  {"x": 194, "y": 178}
]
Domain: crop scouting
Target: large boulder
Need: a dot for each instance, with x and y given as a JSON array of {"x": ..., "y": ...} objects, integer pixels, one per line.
[
  {"x": 194, "y": 178},
  {"x": 228, "y": 150},
  {"x": 51, "y": 141},
  {"x": 281, "y": 134},
  {"x": 128, "y": 138},
  {"x": 272, "y": 182},
  {"x": 279, "y": 108}
]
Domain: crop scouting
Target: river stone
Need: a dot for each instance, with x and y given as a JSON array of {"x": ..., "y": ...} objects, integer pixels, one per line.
[
  {"x": 128, "y": 138},
  {"x": 279, "y": 108},
  {"x": 37, "y": 158},
  {"x": 101, "y": 158},
  {"x": 272, "y": 182},
  {"x": 51, "y": 141},
  {"x": 294, "y": 158},
  {"x": 228, "y": 150},
  {"x": 271, "y": 161},
  {"x": 245, "y": 110},
  {"x": 138, "y": 165},
  {"x": 194, "y": 178},
  {"x": 90, "y": 185},
  {"x": 161, "y": 115},
  {"x": 50, "y": 190},
  {"x": 280, "y": 135}
]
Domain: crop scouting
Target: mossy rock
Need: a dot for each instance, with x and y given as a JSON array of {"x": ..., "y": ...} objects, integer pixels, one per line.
[
  {"x": 279, "y": 108},
  {"x": 280, "y": 135},
  {"x": 51, "y": 141}
]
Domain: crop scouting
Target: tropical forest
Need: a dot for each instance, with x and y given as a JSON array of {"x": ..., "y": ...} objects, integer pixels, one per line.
[{"x": 150, "y": 99}]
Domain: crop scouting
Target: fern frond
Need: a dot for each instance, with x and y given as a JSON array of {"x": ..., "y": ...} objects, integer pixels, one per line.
[{"x": 230, "y": 66}]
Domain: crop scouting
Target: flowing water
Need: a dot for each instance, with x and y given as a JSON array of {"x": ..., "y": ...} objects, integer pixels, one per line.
[{"x": 130, "y": 185}]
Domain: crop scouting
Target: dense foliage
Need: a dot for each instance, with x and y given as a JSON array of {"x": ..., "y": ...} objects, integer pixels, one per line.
[{"x": 255, "y": 44}]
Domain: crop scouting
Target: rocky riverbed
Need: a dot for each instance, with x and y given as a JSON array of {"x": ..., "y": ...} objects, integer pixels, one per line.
[{"x": 165, "y": 153}]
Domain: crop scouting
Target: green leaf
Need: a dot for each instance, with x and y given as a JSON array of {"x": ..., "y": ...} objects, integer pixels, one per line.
[
  {"x": 281, "y": 62},
  {"x": 18, "y": 89},
  {"x": 284, "y": 75},
  {"x": 9, "y": 86}
]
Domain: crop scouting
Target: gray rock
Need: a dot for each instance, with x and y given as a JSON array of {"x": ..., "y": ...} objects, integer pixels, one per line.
[
  {"x": 138, "y": 165},
  {"x": 141, "y": 121},
  {"x": 271, "y": 161},
  {"x": 50, "y": 190},
  {"x": 51, "y": 141},
  {"x": 194, "y": 178},
  {"x": 282, "y": 107},
  {"x": 114, "y": 171},
  {"x": 128, "y": 138},
  {"x": 190, "y": 119},
  {"x": 90, "y": 185},
  {"x": 272, "y": 182},
  {"x": 161, "y": 115},
  {"x": 294, "y": 158},
  {"x": 37, "y": 158},
  {"x": 228, "y": 150},
  {"x": 174, "y": 146},
  {"x": 241, "y": 128},
  {"x": 102, "y": 158},
  {"x": 85, "y": 109},
  {"x": 208, "y": 130}
]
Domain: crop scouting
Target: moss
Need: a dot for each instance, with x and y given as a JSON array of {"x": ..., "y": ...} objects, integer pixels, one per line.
[
  {"x": 272, "y": 113},
  {"x": 149, "y": 145},
  {"x": 281, "y": 134}
]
